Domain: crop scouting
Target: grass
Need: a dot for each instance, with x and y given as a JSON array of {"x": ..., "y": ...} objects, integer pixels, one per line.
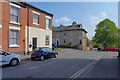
[{"x": 57, "y": 49}]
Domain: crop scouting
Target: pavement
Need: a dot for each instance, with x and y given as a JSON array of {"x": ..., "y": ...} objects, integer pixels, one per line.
[
  {"x": 25, "y": 57},
  {"x": 70, "y": 64}
]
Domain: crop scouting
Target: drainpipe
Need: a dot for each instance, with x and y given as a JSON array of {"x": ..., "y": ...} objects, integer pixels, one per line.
[{"x": 28, "y": 31}]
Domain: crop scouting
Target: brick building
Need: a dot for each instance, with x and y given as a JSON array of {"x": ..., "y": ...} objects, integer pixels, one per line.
[
  {"x": 73, "y": 34},
  {"x": 24, "y": 24}
]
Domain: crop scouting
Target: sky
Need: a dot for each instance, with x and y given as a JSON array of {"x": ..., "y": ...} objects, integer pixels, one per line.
[{"x": 89, "y": 14}]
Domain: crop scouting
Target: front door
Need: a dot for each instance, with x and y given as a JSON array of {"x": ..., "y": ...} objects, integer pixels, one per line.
[
  {"x": 34, "y": 43},
  {"x": 57, "y": 43}
]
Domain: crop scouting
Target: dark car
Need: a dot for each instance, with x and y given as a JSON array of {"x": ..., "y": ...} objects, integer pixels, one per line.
[
  {"x": 110, "y": 49},
  {"x": 42, "y": 53}
]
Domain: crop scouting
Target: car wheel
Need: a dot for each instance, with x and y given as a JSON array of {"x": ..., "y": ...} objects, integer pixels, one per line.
[
  {"x": 42, "y": 57},
  {"x": 32, "y": 58},
  {"x": 14, "y": 62},
  {"x": 56, "y": 55}
]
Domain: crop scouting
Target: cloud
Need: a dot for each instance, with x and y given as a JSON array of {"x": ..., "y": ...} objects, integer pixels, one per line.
[
  {"x": 103, "y": 14},
  {"x": 65, "y": 19},
  {"x": 93, "y": 18},
  {"x": 62, "y": 20},
  {"x": 56, "y": 21}
]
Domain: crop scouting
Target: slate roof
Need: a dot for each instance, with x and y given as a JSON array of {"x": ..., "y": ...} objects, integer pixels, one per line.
[{"x": 70, "y": 27}]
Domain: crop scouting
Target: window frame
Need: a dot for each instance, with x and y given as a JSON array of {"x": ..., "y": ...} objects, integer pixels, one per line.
[
  {"x": 47, "y": 40},
  {"x": 37, "y": 19},
  {"x": 14, "y": 14},
  {"x": 15, "y": 29},
  {"x": 47, "y": 23}
]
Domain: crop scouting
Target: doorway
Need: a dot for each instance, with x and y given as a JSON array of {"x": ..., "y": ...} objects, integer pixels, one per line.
[{"x": 34, "y": 43}]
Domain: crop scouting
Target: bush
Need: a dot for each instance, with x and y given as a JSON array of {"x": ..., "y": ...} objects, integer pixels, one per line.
[{"x": 67, "y": 45}]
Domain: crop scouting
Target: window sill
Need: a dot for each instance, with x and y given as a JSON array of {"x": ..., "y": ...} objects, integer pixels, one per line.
[
  {"x": 14, "y": 23},
  {"x": 14, "y": 46},
  {"x": 0, "y": 46},
  {"x": 35, "y": 24},
  {"x": 47, "y": 28}
]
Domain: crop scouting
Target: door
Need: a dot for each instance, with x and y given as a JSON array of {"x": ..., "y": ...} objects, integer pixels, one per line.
[
  {"x": 57, "y": 42},
  {"x": 34, "y": 43},
  {"x": 4, "y": 58}
]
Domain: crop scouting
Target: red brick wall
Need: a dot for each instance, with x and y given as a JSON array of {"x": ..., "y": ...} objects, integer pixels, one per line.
[
  {"x": 42, "y": 19},
  {"x": 23, "y": 14},
  {"x": 6, "y": 30}
]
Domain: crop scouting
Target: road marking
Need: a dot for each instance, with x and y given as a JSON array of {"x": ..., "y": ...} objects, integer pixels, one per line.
[
  {"x": 33, "y": 67},
  {"x": 43, "y": 65},
  {"x": 84, "y": 68}
]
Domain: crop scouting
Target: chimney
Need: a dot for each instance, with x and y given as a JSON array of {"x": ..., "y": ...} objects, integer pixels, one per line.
[
  {"x": 74, "y": 23},
  {"x": 61, "y": 25}
]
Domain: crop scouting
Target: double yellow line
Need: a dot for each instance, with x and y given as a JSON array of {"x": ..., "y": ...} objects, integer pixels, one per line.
[{"x": 83, "y": 69}]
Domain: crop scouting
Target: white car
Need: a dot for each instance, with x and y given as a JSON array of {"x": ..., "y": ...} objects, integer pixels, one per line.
[{"x": 9, "y": 58}]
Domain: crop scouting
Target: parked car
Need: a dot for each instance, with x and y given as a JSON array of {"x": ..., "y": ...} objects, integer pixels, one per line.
[
  {"x": 9, "y": 58},
  {"x": 110, "y": 49},
  {"x": 42, "y": 53}
]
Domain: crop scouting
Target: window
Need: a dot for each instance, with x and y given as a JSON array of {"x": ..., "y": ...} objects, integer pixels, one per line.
[
  {"x": 35, "y": 18},
  {"x": 14, "y": 37},
  {"x": 47, "y": 23},
  {"x": 0, "y": 37},
  {"x": 14, "y": 14},
  {"x": 64, "y": 33},
  {"x": 64, "y": 41},
  {"x": 81, "y": 33},
  {"x": 47, "y": 40}
]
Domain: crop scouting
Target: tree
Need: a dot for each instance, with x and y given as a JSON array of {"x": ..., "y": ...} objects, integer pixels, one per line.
[{"x": 106, "y": 30}]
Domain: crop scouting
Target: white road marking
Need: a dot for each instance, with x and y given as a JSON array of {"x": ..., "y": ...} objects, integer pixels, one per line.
[{"x": 33, "y": 67}]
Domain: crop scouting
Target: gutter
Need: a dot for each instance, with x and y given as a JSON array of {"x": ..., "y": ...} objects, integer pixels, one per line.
[{"x": 28, "y": 31}]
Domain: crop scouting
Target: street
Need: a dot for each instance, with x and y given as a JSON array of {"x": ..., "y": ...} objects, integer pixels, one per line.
[{"x": 69, "y": 64}]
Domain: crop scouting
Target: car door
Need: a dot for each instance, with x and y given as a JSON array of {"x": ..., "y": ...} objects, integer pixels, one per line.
[{"x": 5, "y": 57}]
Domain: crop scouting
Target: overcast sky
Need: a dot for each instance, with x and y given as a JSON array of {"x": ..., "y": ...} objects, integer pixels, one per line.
[{"x": 86, "y": 13}]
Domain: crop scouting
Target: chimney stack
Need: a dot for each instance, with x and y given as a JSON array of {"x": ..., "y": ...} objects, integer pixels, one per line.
[
  {"x": 61, "y": 25},
  {"x": 74, "y": 23}
]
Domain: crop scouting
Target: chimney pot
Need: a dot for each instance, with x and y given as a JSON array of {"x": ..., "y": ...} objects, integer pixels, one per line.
[{"x": 74, "y": 23}]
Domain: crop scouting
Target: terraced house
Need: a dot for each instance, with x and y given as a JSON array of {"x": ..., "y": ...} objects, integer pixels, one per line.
[
  {"x": 24, "y": 27},
  {"x": 74, "y": 34}
]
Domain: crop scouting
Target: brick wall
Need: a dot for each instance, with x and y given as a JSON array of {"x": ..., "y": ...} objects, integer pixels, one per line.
[
  {"x": 6, "y": 30},
  {"x": 42, "y": 19}
]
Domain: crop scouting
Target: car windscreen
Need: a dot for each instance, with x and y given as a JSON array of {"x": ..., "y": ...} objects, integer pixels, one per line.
[
  {"x": 46, "y": 49},
  {"x": 1, "y": 52}
]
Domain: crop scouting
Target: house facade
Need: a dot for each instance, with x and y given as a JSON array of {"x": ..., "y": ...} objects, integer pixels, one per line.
[
  {"x": 73, "y": 34},
  {"x": 24, "y": 25}
]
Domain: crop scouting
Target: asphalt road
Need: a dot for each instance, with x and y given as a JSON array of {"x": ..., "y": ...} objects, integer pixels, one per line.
[{"x": 70, "y": 64}]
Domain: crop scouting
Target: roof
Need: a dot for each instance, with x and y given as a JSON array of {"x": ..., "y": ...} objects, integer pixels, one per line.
[
  {"x": 71, "y": 27},
  {"x": 25, "y": 4}
]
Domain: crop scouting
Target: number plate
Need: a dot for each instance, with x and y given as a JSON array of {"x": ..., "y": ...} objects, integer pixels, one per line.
[{"x": 33, "y": 56}]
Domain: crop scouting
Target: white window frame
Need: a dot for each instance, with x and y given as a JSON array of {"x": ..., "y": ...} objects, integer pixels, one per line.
[
  {"x": 14, "y": 28},
  {"x": 0, "y": 27},
  {"x": 47, "y": 40},
  {"x": 48, "y": 17},
  {"x": 17, "y": 6},
  {"x": 34, "y": 12},
  {"x": 49, "y": 24}
]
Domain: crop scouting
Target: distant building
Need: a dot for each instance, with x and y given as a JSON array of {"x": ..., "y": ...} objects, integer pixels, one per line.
[{"x": 74, "y": 34}]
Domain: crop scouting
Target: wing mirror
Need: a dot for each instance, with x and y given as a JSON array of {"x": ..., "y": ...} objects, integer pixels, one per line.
[{"x": 5, "y": 54}]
